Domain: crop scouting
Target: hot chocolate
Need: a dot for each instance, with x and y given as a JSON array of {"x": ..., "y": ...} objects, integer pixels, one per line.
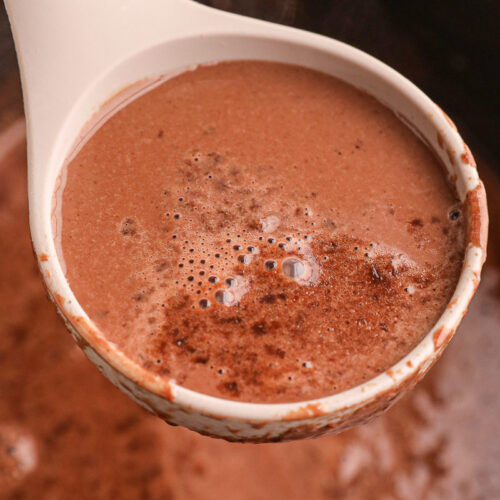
[{"x": 259, "y": 231}]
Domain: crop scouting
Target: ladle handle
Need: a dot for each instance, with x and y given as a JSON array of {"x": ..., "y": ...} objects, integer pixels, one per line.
[{"x": 64, "y": 45}]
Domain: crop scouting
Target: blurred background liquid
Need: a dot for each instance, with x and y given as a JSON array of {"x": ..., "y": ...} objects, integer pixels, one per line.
[{"x": 67, "y": 433}]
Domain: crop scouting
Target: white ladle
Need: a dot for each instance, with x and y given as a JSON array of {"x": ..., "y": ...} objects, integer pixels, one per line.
[{"x": 75, "y": 54}]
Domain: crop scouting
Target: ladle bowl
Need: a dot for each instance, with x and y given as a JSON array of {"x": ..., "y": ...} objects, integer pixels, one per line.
[{"x": 75, "y": 55}]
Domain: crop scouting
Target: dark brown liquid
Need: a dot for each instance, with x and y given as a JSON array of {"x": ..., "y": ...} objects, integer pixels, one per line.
[{"x": 260, "y": 232}]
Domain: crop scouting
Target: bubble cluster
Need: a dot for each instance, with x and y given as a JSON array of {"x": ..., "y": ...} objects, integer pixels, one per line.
[
  {"x": 222, "y": 261},
  {"x": 209, "y": 260}
]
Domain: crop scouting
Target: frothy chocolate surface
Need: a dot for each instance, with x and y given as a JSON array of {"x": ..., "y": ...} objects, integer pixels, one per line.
[{"x": 261, "y": 232}]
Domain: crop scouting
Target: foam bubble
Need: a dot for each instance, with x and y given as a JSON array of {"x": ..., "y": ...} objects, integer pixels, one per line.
[
  {"x": 293, "y": 268},
  {"x": 244, "y": 259},
  {"x": 270, "y": 265},
  {"x": 269, "y": 223},
  {"x": 204, "y": 303},
  {"x": 224, "y": 297}
]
